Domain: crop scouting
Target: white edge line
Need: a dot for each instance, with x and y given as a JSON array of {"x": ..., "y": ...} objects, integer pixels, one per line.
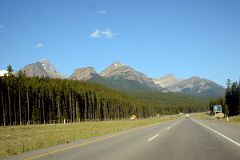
[
  {"x": 231, "y": 140},
  {"x": 153, "y": 137}
]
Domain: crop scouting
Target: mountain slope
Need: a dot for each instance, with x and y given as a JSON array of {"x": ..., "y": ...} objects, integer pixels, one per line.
[
  {"x": 89, "y": 74},
  {"x": 166, "y": 81},
  {"x": 42, "y": 68},
  {"x": 127, "y": 78},
  {"x": 198, "y": 86},
  {"x": 83, "y": 74},
  {"x": 172, "y": 99},
  {"x": 116, "y": 81}
]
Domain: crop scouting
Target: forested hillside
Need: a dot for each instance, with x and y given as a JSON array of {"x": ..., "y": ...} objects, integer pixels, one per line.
[
  {"x": 35, "y": 100},
  {"x": 176, "y": 101}
]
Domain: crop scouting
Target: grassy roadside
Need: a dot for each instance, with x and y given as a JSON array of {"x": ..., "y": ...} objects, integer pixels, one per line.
[
  {"x": 202, "y": 116},
  {"x": 234, "y": 119},
  {"x": 18, "y": 139}
]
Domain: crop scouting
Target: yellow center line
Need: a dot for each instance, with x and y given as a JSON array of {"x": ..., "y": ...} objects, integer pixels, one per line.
[
  {"x": 89, "y": 142},
  {"x": 70, "y": 147}
]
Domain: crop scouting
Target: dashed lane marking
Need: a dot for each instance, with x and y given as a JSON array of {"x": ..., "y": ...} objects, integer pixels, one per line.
[{"x": 150, "y": 139}]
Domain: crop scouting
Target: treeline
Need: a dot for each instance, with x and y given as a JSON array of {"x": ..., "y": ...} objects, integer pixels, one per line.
[
  {"x": 25, "y": 100},
  {"x": 231, "y": 101},
  {"x": 40, "y": 100},
  {"x": 35, "y": 100},
  {"x": 232, "y": 98},
  {"x": 175, "y": 101}
]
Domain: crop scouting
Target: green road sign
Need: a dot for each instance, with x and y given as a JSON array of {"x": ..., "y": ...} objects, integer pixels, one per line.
[{"x": 217, "y": 108}]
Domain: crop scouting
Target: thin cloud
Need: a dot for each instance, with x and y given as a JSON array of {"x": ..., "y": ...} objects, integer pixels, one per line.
[
  {"x": 107, "y": 33},
  {"x": 101, "y": 11},
  {"x": 38, "y": 45},
  {"x": 96, "y": 34}
]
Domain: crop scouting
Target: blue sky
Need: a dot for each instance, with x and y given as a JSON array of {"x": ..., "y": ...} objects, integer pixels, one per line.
[{"x": 157, "y": 37}]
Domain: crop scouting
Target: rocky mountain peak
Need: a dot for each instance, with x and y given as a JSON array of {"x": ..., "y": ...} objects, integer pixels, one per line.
[
  {"x": 195, "y": 78},
  {"x": 115, "y": 69},
  {"x": 197, "y": 81},
  {"x": 170, "y": 75},
  {"x": 117, "y": 64},
  {"x": 119, "y": 70},
  {"x": 42, "y": 68},
  {"x": 44, "y": 61},
  {"x": 123, "y": 77},
  {"x": 83, "y": 74},
  {"x": 199, "y": 86},
  {"x": 47, "y": 66},
  {"x": 166, "y": 81}
]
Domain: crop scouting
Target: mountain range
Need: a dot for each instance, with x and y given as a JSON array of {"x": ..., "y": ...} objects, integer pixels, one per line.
[
  {"x": 125, "y": 78},
  {"x": 193, "y": 85}
]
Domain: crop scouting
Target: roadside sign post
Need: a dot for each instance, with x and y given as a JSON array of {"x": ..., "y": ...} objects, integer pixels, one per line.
[{"x": 217, "y": 109}]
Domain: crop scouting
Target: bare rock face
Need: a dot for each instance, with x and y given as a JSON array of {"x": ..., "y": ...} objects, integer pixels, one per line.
[
  {"x": 83, "y": 74},
  {"x": 115, "y": 69},
  {"x": 166, "y": 81},
  {"x": 42, "y": 68},
  {"x": 123, "y": 77},
  {"x": 119, "y": 70},
  {"x": 194, "y": 85}
]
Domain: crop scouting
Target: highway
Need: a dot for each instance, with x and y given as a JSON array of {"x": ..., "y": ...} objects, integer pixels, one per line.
[{"x": 181, "y": 139}]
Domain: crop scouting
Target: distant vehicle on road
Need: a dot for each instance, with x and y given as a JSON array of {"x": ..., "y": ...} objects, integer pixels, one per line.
[{"x": 187, "y": 115}]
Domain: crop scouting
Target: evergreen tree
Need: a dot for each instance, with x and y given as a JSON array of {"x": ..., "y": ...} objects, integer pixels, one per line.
[
  {"x": 10, "y": 70},
  {"x": 27, "y": 100}
]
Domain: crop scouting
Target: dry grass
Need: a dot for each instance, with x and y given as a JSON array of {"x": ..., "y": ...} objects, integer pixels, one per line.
[
  {"x": 18, "y": 139},
  {"x": 234, "y": 119},
  {"x": 202, "y": 116}
]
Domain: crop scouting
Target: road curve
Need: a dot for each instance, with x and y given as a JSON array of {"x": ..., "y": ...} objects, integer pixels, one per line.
[{"x": 186, "y": 139}]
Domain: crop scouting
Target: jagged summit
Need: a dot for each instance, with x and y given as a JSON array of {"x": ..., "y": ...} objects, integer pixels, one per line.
[
  {"x": 44, "y": 60},
  {"x": 123, "y": 77},
  {"x": 48, "y": 66},
  {"x": 113, "y": 69},
  {"x": 194, "y": 85},
  {"x": 166, "y": 81},
  {"x": 195, "y": 78},
  {"x": 119, "y": 70},
  {"x": 42, "y": 68},
  {"x": 117, "y": 64},
  {"x": 199, "y": 86},
  {"x": 83, "y": 74}
]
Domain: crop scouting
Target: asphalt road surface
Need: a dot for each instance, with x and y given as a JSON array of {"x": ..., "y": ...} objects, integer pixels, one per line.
[{"x": 182, "y": 139}]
